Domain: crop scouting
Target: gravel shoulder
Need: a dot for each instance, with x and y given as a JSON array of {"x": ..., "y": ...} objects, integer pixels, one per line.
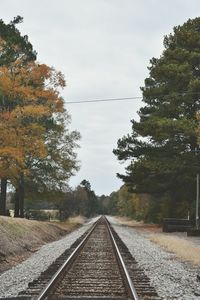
[{"x": 172, "y": 277}]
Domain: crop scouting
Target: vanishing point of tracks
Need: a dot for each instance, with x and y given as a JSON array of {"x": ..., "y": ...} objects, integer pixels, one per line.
[{"x": 98, "y": 266}]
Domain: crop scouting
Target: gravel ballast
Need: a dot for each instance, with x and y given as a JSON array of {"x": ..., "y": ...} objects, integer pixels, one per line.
[
  {"x": 16, "y": 279},
  {"x": 171, "y": 278}
]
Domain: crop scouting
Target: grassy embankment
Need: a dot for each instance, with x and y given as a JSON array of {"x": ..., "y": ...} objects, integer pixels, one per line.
[
  {"x": 182, "y": 248},
  {"x": 20, "y": 237}
]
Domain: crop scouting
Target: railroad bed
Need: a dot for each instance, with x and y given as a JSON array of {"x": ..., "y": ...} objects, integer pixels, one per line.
[{"x": 97, "y": 266}]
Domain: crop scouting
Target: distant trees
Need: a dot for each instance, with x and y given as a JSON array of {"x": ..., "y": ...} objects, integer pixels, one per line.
[
  {"x": 80, "y": 201},
  {"x": 125, "y": 203},
  {"x": 36, "y": 147},
  {"x": 161, "y": 147}
]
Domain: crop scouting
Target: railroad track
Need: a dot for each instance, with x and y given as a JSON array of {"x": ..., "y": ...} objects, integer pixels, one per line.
[{"x": 98, "y": 266}]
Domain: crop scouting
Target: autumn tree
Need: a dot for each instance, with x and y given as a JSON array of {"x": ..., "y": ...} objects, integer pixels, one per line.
[
  {"x": 161, "y": 147},
  {"x": 32, "y": 93},
  {"x": 35, "y": 142},
  {"x": 12, "y": 47}
]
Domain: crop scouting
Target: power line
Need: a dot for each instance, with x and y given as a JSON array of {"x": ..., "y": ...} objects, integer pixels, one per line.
[
  {"x": 131, "y": 98},
  {"x": 105, "y": 100}
]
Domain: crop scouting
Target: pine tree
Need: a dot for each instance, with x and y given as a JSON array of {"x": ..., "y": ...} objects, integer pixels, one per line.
[{"x": 161, "y": 148}]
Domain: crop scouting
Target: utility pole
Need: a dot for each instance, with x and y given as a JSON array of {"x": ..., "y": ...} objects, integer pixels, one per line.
[
  {"x": 197, "y": 196},
  {"x": 197, "y": 203}
]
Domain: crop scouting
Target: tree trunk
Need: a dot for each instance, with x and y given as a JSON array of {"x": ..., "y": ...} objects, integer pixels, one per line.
[
  {"x": 17, "y": 203},
  {"x": 21, "y": 196},
  {"x": 3, "y": 196}
]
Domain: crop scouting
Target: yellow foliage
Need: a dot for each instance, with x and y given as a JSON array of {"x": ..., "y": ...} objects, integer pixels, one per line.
[{"x": 28, "y": 93}]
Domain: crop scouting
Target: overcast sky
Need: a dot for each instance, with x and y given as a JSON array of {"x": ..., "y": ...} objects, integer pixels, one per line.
[{"x": 103, "y": 47}]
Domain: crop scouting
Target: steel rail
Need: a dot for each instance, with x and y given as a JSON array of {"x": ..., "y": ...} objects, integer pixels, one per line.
[
  {"x": 131, "y": 287},
  {"x": 44, "y": 292},
  {"x": 133, "y": 294}
]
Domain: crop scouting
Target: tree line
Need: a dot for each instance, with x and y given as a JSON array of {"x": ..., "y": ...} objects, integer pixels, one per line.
[
  {"x": 162, "y": 149},
  {"x": 80, "y": 200},
  {"x": 37, "y": 149}
]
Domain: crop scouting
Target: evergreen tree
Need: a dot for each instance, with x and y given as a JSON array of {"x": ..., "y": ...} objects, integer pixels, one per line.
[
  {"x": 161, "y": 147},
  {"x": 90, "y": 205}
]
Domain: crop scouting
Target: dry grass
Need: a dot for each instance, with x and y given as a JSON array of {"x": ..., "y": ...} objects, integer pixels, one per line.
[
  {"x": 183, "y": 249},
  {"x": 20, "y": 237},
  {"x": 128, "y": 222},
  {"x": 139, "y": 225},
  {"x": 77, "y": 220}
]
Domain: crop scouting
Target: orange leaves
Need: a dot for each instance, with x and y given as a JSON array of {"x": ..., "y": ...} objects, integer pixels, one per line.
[
  {"x": 5, "y": 116},
  {"x": 56, "y": 79},
  {"x": 2, "y": 44},
  {"x": 17, "y": 143},
  {"x": 6, "y": 83},
  {"x": 29, "y": 95},
  {"x": 33, "y": 111},
  {"x": 59, "y": 105},
  {"x": 31, "y": 82},
  {"x": 9, "y": 152}
]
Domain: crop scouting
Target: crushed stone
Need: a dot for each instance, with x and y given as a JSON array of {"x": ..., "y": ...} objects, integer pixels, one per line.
[{"x": 172, "y": 278}]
